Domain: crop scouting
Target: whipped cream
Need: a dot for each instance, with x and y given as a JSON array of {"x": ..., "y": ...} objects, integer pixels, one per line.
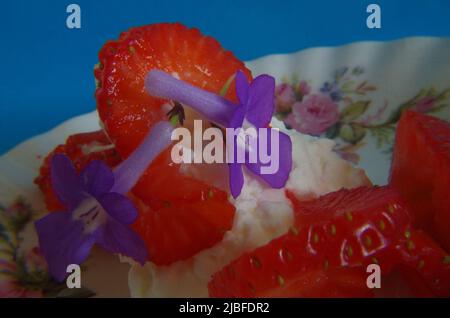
[{"x": 262, "y": 214}]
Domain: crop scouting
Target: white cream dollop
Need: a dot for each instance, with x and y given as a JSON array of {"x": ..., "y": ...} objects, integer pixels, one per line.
[{"x": 262, "y": 213}]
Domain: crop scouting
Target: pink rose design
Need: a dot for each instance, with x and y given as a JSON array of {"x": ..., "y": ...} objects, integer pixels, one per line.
[
  {"x": 425, "y": 104},
  {"x": 314, "y": 115},
  {"x": 284, "y": 97}
]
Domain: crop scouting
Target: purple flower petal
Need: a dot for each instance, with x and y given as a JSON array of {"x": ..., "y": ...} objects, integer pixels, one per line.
[
  {"x": 119, "y": 207},
  {"x": 256, "y": 107},
  {"x": 63, "y": 242},
  {"x": 130, "y": 171},
  {"x": 236, "y": 179},
  {"x": 65, "y": 181},
  {"x": 238, "y": 118},
  {"x": 261, "y": 101},
  {"x": 279, "y": 178},
  {"x": 118, "y": 238},
  {"x": 212, "y": 106},
  {"x": 97, "y": 178},
  {"x": 242, "y": 88}
]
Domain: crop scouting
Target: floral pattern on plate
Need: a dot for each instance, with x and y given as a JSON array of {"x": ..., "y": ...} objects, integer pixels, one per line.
[
  {"x": 23, "y": 270},
  {"x": 340, "y": 109}
]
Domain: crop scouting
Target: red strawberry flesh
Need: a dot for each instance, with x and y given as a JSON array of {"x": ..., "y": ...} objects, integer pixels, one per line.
[{"x": 421, "y": 172}]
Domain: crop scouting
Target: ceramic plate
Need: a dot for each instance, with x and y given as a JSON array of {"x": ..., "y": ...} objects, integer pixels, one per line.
[{"x": 356, "y": 93}]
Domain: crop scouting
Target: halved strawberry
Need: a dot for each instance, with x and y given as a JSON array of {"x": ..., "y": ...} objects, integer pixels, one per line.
[
  {"x": 182, "y": 215},
  {"x": 166, "y": 183},
  {"x": 180, "y": 230},
  {"x": 124, "y": 106},
  {"x": 81, "y": 149},
  {"x": 333, "y": 238},
  {"x": 421, "y": 172}
]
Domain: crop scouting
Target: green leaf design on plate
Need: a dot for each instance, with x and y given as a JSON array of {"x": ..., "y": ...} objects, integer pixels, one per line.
[
  {"x": 353, "y": 111},
  {"x": 383, "y": 134},
  {"x": 347, "y": 86},
  {"x": 352, "y": 133}
]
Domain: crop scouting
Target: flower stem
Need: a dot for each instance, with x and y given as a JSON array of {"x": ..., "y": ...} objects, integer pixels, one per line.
[
  {"x": 130, "y": 170},
  {"x": 214, "y": 107}
]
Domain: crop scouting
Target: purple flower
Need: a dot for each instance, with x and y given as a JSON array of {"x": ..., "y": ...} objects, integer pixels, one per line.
[
  {"x": 336, "y": 96},
  {"x": 332, "y": 89},
  {"x": 327, "y": 87},
  {"x": 98, "y": 212},
  {"x": 255, "y": 111},
  {"x": 425, "y": 104},
  {"x": 95, "y": 215},
  {"x": 313, "y": 115},
  {"x": 284, "y": 97}
]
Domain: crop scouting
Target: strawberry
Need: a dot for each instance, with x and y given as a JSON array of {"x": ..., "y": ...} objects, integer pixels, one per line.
[
  {"x": 182, "y": 216},
  {"x": 320, "y": 283},
  {"x": 125, "y": 108},
  {"x": 424, "y": 265},
  {"x": 81, "y": 149},
  {"x": 178, "y": 214},
  {"x": 325, "y": 253},
  {"x": 421, "y": 172}
]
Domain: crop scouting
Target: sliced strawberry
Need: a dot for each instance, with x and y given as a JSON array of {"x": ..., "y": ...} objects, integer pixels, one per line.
[
  {"x": 125, "y": 108},
  {"x": 334, "y": 282},
  {"x": 195, "y": 213},
  {"x": 165, "y": 183},
  {"x": 81, "y": 149},
  {"x": 181, "y": 217},
  {"x": 421, "y": 172},
  {"x": 425, "y": 266},
  {"x": 352, "y": 226},
  {"x": 332, "y": 240},
  {"x": 180, "y": 230}
]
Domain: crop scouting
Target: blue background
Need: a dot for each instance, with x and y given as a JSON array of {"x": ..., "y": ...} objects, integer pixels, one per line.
[{"x": 47, "y": 70}]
